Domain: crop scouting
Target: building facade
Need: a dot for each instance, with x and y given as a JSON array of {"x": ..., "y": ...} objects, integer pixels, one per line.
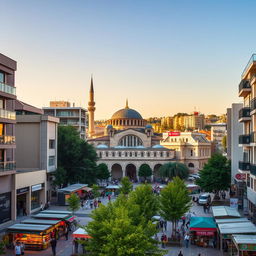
[
  {"x": 7, "y": 139},
  {"x": 218, "y": 132},
  {"x": 74, "y": 116},
  {"x": 191, "y": 148},
  {"x": 247, "y": 140},
  {"x": 194, "y": 121}
]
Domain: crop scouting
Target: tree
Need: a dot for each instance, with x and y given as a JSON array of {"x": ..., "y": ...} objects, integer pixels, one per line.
[
  {"x": 114, "y": 233},
  {"x": 75, "y": 156},
  {"x": 102, "y": 172},
  {"x": 73, "y": 203},
  {"x": 60, "y": 177},
  {"x": 95, "y": 190},
  {"x": 145, "y": 171},
  {"x": 174, "y": 202},
  {"x": 224, "y": 143},
  {"x": 126, "y": 186},
  {"x": 2, "y": 248},
  {"x": 216, "y": 174},
  {"x": 173, "y": 169},
  {"x": 146, "y": 200}
]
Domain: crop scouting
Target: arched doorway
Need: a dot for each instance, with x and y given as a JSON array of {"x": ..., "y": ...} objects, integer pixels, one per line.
[
  {"x": 116, "y": 172},
  {"x": 156, "y": 173},
  {"x": 131, "y": 172}
]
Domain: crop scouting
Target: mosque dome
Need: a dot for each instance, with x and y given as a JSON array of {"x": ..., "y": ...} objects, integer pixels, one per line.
[
  {"x": 109, "y": 126},
  {"x": 158, "y": 146},
  {"x": 148, "y": 126},
  {"x": 126, "y": 113},
  {"x": 101, "y": 146}
]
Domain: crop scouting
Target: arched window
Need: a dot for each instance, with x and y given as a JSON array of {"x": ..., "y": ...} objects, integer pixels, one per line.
[
  {"x": 120, "y": 154},
  {"x": 191, "y": 165},
  {"x": 142, "y": 154},
  {"x": 130, "y": 141}
]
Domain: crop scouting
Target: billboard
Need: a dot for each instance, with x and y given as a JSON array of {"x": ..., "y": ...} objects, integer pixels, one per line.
[{"x": 173, "y": 133}]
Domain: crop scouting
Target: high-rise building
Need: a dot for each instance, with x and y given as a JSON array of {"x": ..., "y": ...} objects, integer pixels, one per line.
[
  {"x": 74, "y": 116},
  {"x": 247, "y": 90},
  {"x": 7, "y": 139}
]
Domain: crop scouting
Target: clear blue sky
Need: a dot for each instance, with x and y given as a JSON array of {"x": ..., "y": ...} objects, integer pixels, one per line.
[{"x": 164, "y": 56}]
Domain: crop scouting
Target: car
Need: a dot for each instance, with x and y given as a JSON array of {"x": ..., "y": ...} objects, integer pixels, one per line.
[
  {"x": 204, "y": 199},
  {"x": 191, "y": 178},
  {"x": 196, "y": 176}
]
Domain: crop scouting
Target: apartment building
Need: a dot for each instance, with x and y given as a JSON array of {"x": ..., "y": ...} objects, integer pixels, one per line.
[
  {"x": 36, "y": 153},
  {"x": 218, "y": 131},
  {"x": 7, "y": 139},
  {"x": 247, "y": 116},
  {"x": 191, "y": 148},
  {"x": 194, "y": 121},
  {"x": 68, "y": 115}
]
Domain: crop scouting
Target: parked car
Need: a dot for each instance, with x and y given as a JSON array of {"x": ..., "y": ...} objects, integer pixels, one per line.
[
  {"x": 204, "y": 199},
  {"x": 191, "y": 178}
]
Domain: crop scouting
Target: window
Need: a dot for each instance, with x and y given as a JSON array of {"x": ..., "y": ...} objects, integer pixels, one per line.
[
  {"x": 191, "y": 152},
  {"x": 113, "y": 154},
  {"x": 161, "y": 154},
  {"x": 130, "y": 141},
  {"x": 100, "y": 155},
  {"x": 154, "y": 154},
  {"x": 35, "y": 199},
  {"x": 142, "y": 154},
  {"x": 51, "y": 160},
  {"x": 106, "y": 154},
  {"x": 120, "y": 154},
  {"x": 148, "y": 154},
  {"x": 51, "y": 144},
  {"x": 135, "y": 154},
  {"x": 1, "y": 77},
  {"x": 191, "y": 165}
]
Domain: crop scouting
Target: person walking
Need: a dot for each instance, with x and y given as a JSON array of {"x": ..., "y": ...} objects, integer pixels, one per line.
[
  {"x": 165, "y": 225},
  {"x": 22, "y": 245},
  {"x": 53, "y": 243},
  {"x": 66, "y": 232},
  {"x": 186, "y": 238},
  {"x": 161, "y": 223},
  {"x": 76, "y": 245},
  {"x": 91, "y": 204},
  {"x": 162, "y": 241},
  {"x": 41, "y": 206},
  {"x": 109, "y": 197},
  {"x": 180, "y": 254},
  {"x": 17, "y": 249}
]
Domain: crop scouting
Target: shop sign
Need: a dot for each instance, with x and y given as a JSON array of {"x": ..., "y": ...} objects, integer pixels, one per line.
[
  {"x": 204, "y": 233},
  {"x": 247, "y": 247},
  {"x": 22, "y": 190},
  {"x": 173, "y": 133},
  {"x": 5, "y": 207},
  {"x": 240, "y": 176},
  {"x": 36, "y": 187}
]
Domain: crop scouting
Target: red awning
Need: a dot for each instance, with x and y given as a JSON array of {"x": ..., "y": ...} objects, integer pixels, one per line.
[{"x": 203, "y": 229}]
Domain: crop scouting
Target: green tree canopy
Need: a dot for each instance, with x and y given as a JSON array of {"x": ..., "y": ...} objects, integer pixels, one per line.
[
  {"x": 174, "y": 202},
  {"x": 102, "y": 172},
  {"x": 146, "y": 200},
  {"x": 216, "y": 174},
  {"x": 95, "y": 190},
  {"x": 173, "y": 169},
  {"x": 126, "y": 186},
  {"x": 114, "y": 233},
  {"x": 73, "y": 202},
  {"x": 224, "y": 143},
  {"x": 60, "y": 177},
  {"x": 76, "y": 157},
  {"x": 145, "y": 171}
]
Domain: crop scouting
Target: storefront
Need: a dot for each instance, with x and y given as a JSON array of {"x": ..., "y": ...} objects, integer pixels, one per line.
[
  {"x": 203, "y": 231},
  {"x": 36, "y": 191},
  {"x": 5, "y": 207},
  {"x": 22, "y": 201},
  {"x": 35, "y": 237},
  {"x": 112, "y": 190},
  {"x": 243, "y": 245}
]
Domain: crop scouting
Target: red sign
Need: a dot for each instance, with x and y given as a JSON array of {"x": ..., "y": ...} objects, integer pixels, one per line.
[
  {"x": 204, "y": 233},
  {"x": 173, "y": 133},
  {"x": 240, "y": 176}
]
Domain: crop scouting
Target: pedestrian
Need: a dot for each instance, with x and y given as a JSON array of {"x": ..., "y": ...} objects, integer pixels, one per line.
[
  {"x": 165, "y": 225},
  {"x": 91, "y": 204},
  {"x": 186, "y": 238},
  {"x": 165, "y": 239},
  {"x": 41, "y": 206},
  {"x": 183, "y": 220},
  {"x": 82, "y": 204},
  {"x": 188, "y": 223},
  {"x": 204, "y": 208},
  {"x": 17, "y": 249},
  {"x": 180, "y": 254},
  {"x": 95, "y": 203},
  {"x": 75, "y": 242},
  {"x": 161, "y": 223},
  {"x": 162, "y": 241},
  {"x": 66, "y": 232},
  {"x": 53, "y": 245},
  {"x": 22, "y": 245},
  {"x": 109, "y": 197},
  {"x": 24, "y": 211}
]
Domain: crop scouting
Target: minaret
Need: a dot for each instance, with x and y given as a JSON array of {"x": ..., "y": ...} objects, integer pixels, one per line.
[
  {"x": 126, "y": 105},
  {"x": 91, "y": 109}
]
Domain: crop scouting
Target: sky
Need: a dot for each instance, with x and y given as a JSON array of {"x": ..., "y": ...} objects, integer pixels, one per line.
[{"x": 165, "y": 56}]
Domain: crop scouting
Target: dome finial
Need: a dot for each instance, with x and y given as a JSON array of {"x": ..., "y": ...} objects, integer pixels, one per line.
[{"x": 126, "y": 106}]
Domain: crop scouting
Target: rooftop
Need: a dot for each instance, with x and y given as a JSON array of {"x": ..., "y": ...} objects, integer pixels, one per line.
[{"x": 250, "y": 62}]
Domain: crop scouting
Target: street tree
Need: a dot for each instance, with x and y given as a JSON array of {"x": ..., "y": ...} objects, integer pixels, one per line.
[
  {"x": 73, "y": 203},
  {"x": 60, "y": 177},
  {"x": 126, "y": 186},
  {"x": 174, "y": 202},
  {"x": 102, "y": 172},
  {"x": 173, "y": 169},
  {"x": 145, "y": 171},
  {"x": 114, "y": 233},
  {"x": 95, "y": 191},
  {"x": 216, "y": 174},
  {"x": 146, "y": 200}
]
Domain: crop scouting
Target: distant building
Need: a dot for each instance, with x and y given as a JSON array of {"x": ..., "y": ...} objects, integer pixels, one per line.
[
  {"x": 191, "y": 148},
  {"x": 194, "y": 121},
  {"x": 74, "y": 116},
  {"x": 178, "y": 122},
  {"x": 218, "y": 131}
]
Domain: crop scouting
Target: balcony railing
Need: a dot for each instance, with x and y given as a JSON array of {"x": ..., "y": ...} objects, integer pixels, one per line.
[
  {"x": 244, "y": 166},
  {"x": 7, "y": 166},
  {"x": 244, "y": 112},
  {"x": 7, "y": 114},
  {"x": 244, "y": 139},
  {"x": 253, "y": 104},
  {"x": 253, "y": 169},
  {"x": 7, "y": 140},
  {"x": 251, "y": 60},
  {"x": 7, "y": 88},
  {"x": 244, "y": 84}
]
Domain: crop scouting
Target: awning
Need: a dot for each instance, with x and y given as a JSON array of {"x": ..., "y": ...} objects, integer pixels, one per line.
[
  {"x": 80, "y": 233},
  {"x": 71, "y": 218},
  {"x": 87, "y": 189},
  {"x": 206, "y": 224}
]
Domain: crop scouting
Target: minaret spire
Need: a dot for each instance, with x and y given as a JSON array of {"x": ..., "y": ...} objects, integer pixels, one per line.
[
  {"x": 91, "y": 109},
  {"x": 126, "y": 106}
]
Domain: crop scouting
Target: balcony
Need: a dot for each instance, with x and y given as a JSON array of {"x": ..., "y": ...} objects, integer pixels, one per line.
[
  {"x": 244, "y": 166},
  {"x": 250, "y": 63},
  {"x": 244, "y": 114},
  {"x": 244, "y": 139},
  {"x": 7, "y": 166},
  {"x": 253, "y": 169},
  {"x": 7, "y": 89},
  {"x": 7, "y": 114},
  {"x": 244, "y": 88},
  {"x": 7, "y": 140}
]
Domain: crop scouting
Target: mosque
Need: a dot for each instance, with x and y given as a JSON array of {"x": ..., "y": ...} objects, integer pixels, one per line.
[{"x": 127, "y": 143}]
